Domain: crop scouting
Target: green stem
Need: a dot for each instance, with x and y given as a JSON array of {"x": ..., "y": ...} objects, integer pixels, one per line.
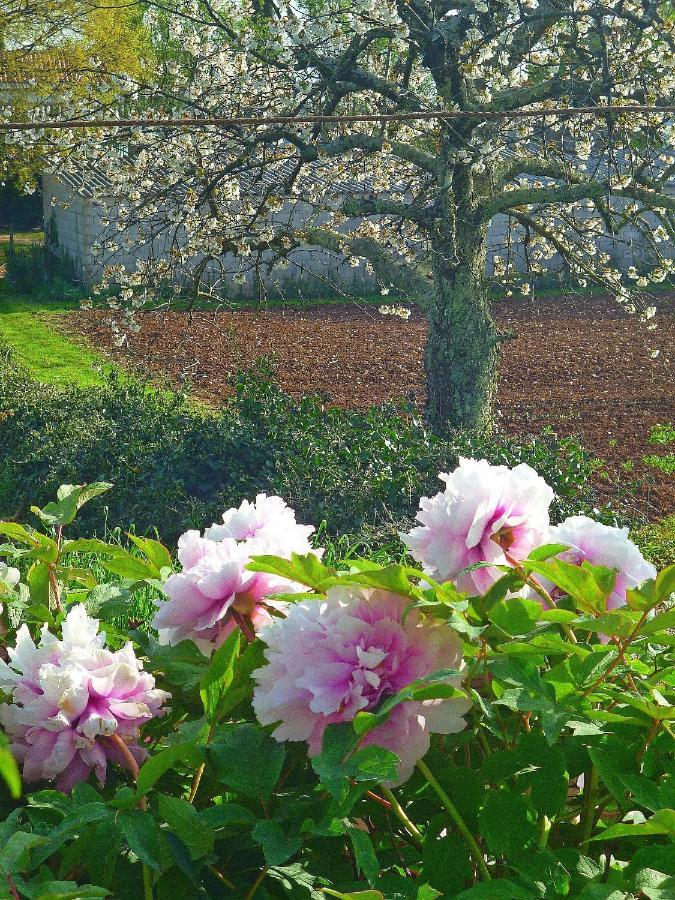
[
  {"x": 590, "y": 804},
  {"x": 401, "y": 815},
  {"x": 200, "y": 771},
  {"x": 457, "y": 819},
  {"x": 132, "y": 765},
  {"x": 256, "y": 884},
  {"x": 483, "y": 742},
  {"x": 147, "y": 883}
]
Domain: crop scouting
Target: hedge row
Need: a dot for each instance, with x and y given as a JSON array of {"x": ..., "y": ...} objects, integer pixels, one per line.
[{"x": 176, "y": 465}]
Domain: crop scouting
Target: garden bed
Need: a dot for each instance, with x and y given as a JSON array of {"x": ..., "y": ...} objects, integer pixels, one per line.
[{"x": 578, "y": 365}]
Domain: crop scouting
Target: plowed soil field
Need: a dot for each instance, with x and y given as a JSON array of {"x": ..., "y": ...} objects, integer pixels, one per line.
[{"x": 578, "y": 365}]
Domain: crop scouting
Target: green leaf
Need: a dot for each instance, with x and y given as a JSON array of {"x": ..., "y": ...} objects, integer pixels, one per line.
[
  {"x": 247, "y": 759},
  {"x": 156, "y": 552},
  {"x": 354, "y": 895},
  {"x": 70, "y": 498},
  {"x": 660, "y": 622},
  {"x": 218, "y": 677},
  {"x": 277, "y": 846},
  {"x": 603, "y": 892},
  {"x": 662, "y": 822},
  {"x": 430, "y": 687},
  {"x": 339, "y": 762},
  {"x": 184, "y": 820},
  {"x": 90, "y": 545},
  {"x": 588, "y": 585},
  {"x": 307, "y": 569},
  {"x": 69, "y": 890},
  {"x": 38, "y": 583},
  {"x": 665, "y": 583},
  {"x": 594, "y": 666},
  {"x": 508, "y": 583},
  {"x": 506, "y": 823},
  {"x": 9, "y": 771},
  {"x": 227, "y": 815},
  {"x": 497, "y": 890},
  {"x": 546, "y": 551},
  {"x": 516, "y": 615},
  {"x": 15, "y": 854},
  {"x": 109, "y": 601},
  {"x": 140, "y": 832},
  {"x": 154, "y": 767},
  {"x": 20, "y": 533},
  {"x": 449, "y": 879},
  {"x": 392, "y": 578},
  {"x": 364, "y": 853},
  {"x": 127, "y": 566}
]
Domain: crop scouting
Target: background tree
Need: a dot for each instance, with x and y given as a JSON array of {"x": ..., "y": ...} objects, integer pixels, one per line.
[
  {"x": 414, "y": 199},
  {"x": 52, "y": 51}
]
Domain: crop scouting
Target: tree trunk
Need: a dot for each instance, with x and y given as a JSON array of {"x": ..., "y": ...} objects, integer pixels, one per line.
[{"x": 461, "y": 354}]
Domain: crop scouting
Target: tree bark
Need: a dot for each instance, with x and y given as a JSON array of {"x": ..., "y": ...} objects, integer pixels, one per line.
[{"x": 461, "y": 354}]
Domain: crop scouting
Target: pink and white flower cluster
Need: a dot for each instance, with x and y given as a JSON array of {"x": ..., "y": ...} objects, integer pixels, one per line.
[
  {"x": 486, "y": 514},
  {"x": 493, "y": 514},
  {"x": 214, "y": 592},
  {"x": 327, "y": 660},
  {"x": 72, "y": 699}
]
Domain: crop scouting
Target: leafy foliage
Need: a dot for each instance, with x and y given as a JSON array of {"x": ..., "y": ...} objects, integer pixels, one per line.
[
  {"x": 360, "y": 472},
  {"x": 501, "y": 809}
]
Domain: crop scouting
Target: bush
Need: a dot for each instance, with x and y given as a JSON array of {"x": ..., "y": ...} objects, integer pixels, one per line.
[
  {"x": 32, "y": 268},
  {"x": 657, "y": 541},
  {"x": 175, "y": 464},
  {"x": 477, "y": 746}
]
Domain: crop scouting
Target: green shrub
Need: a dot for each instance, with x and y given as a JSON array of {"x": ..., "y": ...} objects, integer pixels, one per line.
[
  {"x": 657, "y": 541},
  {"x": 33, "y": 268},
  {"x": 176, "y": 466},
  {"x": 535, "y": 763},
  {"x": 25, "y": 267}
]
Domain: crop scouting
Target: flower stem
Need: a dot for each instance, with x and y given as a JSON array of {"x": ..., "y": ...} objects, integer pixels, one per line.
[
  {"x": 219, "y": 875},
  {"x": 200, "y": 771},
  {"x": 55, "y": 589},
  {"x": 256, "y": 884},
  {"x": 590, "y": 805},
  {"x": 12, "y": 888},
  {"x": 402, "y": 816},
  {"x": 452, "y": 810},
  {"x": 132, "y": 765},
  {"x": 147, "y": 883}
]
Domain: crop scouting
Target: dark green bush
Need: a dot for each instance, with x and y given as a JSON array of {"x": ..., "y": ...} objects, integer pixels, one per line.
[
  {"x": 175, "y": 465},
  {"x": 33, "y": 267}
]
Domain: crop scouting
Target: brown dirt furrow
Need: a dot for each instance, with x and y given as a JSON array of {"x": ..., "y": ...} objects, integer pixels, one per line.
[{"x": 580, "y": 366}]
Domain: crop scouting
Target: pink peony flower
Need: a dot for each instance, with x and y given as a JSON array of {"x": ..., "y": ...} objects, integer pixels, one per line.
[
  {"x": 215, "y": 592},
  {"x": 69, "y": 697},
  {"x": 601, "y": 545},
  {"x": 484, "y": 512},
  {"x": 267, "y": 518},
  {"x": 327, "y": 660}
]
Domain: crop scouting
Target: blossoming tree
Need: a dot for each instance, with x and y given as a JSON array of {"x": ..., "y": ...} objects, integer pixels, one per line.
[{"x": 411, "y": 199}]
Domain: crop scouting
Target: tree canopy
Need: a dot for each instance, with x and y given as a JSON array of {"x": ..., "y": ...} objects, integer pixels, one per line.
[{"x": 413, "y": 199}]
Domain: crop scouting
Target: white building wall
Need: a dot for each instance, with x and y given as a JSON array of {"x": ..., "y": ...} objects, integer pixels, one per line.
[{"x": 78, "y": 226}]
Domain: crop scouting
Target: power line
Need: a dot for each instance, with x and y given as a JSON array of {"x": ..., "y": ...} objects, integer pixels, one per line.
[{"x": 557, "y": 112}]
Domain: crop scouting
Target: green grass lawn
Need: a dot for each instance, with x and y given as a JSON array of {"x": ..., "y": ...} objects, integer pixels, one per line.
[
  {"x": 30, "y": 327},
  {"x": 49, "y": 356}
]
